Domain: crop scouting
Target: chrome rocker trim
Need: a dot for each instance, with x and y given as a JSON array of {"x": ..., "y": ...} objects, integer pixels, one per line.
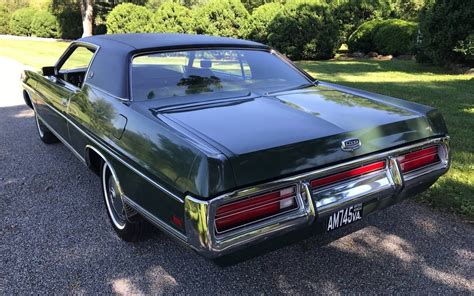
[{"x": 201, "y": 234}]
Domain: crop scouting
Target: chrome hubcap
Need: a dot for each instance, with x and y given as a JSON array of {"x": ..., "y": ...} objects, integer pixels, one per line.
[{"x": 113, "y": 199}]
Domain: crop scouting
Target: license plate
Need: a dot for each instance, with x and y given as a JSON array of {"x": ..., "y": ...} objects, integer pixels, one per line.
[{"x": 345, "y": 216}]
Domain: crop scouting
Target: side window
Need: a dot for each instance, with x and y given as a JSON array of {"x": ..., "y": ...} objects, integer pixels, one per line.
[{"x": 74, "y": 69}]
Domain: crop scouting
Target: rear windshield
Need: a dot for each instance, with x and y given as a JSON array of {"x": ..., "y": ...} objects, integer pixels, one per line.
[{"x": 199, "y": 73}]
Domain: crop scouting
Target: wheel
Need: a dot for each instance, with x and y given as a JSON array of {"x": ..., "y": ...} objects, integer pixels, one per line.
[
  {"x": 128, "y": 224},
  {"x": 44, "y": 133}
]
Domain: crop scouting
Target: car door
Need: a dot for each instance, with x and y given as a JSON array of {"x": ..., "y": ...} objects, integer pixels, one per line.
[{"x": 56, "y": 90}]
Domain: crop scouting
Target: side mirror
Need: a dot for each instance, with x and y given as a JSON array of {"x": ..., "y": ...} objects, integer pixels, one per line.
[{"x": 49, "y": 71}]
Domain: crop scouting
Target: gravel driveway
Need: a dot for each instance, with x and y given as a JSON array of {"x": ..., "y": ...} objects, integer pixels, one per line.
[{"x": 55, "y": 238}]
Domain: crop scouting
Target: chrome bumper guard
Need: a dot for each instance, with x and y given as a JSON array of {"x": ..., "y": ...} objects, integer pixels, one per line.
[{"x": 202, "y": 236}]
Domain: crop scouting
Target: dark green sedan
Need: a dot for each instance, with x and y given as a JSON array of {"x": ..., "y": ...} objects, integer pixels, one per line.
[{"x": 224, "y": 143}]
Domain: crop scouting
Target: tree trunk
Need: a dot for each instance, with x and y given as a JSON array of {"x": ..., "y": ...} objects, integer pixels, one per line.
[{"x": 87, "y": 12}]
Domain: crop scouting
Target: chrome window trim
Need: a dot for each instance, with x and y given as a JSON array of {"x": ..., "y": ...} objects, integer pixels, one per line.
[{"x": 266, "y": 49}]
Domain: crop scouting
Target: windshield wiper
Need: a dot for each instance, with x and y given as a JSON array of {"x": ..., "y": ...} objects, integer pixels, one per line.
[{"x": 301, "y": 86}]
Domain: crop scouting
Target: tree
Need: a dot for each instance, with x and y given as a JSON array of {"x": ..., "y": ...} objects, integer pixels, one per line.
[{"x": 87, "y": 13}]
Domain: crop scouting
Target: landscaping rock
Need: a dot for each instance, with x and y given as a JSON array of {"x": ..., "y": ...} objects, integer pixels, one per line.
[
  {"x": 385, "y": 58},
  {"x": 372, "y": 54},
  {"x": 470, "y": 72},
  {"x": 358, "y": 54}
]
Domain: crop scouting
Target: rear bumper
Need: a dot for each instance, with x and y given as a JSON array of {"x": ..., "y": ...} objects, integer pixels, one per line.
[{"x": 375, "y": 191}]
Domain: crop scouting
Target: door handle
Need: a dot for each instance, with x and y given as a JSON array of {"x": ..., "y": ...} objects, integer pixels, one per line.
[{"x": 64, "y": 102}]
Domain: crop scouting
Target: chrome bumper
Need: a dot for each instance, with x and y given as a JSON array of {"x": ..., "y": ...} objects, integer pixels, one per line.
[{"x": 388, "y": 184}]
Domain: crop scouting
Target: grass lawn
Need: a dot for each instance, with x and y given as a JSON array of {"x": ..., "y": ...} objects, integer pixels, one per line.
[{"x": 453, "y": 95}]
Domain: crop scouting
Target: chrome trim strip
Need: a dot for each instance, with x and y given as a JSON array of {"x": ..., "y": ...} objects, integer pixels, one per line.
[
  {"x": 200, "y": 214},
  {"x": 155, "y": 220},
  {"x": 169, "y": 193},
  {"x": 77, "y": 154}
]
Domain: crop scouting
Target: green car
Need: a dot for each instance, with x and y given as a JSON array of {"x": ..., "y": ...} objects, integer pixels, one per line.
[{"x": 224, "y": 143}]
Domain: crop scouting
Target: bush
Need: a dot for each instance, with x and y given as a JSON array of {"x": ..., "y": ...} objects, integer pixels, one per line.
[
  {"x": 222, "y": 18},
  {"x": 260, "y": 20},
  {"x": 395, "y": 37},
  {"x": 305, "y": 29},
  {"x": 173, "y": 17},
  {"x": 130, "y": 18},
  {"x": 350, "y": 14},
  {"x": 4, "y": 19},
  {"x": 443, "y": 25},
  {"x": 44, "y": 24},
  {"x": 363, "y": 38},
  {"x": 20, "y": 21}
]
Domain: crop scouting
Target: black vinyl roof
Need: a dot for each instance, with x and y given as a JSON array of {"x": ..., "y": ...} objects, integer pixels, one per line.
[
  {"x": 110, "y": 67},
  {"x": 143, "y": 41}
]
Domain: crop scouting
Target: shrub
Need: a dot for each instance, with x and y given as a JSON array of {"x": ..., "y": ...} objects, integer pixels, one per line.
[
  {"x": 130, "y": 18},
  {"x": 223, "y": 18},
  {"x": 70, "y": 22},
  {"x": 260, "y": 20},
  {"x": 174, "y": 18},
  {"x": 44, "y": 24},
  {"x": 4, "y": 19},
  {"x": 363, "y": 38},
  {"x": 395, "y": 37},
  {"x": 443, "y": 25},
  {"x": 20, "y": 21},
  {"x": 350, "y": 14},
  {"x": 305, "y": 29}
]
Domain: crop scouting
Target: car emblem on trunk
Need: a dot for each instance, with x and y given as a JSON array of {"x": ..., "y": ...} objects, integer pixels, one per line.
[{"x": 350, "y": 144}]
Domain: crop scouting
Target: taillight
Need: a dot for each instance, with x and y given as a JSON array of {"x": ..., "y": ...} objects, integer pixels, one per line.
[
  {"x": 349, "y": 174},
  {"x": 418, "y": 159},
  {"x": 255, "y": 208}
]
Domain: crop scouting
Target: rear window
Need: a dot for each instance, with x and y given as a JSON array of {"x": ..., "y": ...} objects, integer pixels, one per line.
[{"x": 199, "y": 73}]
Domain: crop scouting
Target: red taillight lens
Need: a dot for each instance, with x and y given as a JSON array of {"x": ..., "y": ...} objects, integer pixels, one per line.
[
  {"x": 418, "y": 159},
  {"x": 345, "y": 175},
  {"x": 255, "y": 208}
]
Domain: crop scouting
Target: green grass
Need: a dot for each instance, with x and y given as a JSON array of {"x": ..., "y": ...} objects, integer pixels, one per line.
[
  {"x": 453, "y": 95},
  {"x": 35, "y": 53}
]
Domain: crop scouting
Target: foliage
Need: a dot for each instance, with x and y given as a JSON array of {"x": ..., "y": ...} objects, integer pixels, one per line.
[
  {"x": 406, "y": 9},
  {"x": 362, "y": 39},
  {"x": 260, "y": 20},
  {"x": 222, "y": 18},
  {"x": 20, "y": 21},
  {"x": 173, "y": 17},
  {"x": 384, "y": 36},
  {"x": 305, "y": 29},
  {"x": 68, "y": 14},
  {"x": 443, "y": 25},
  {"x": 4, "y": 19},
  {"x": 350, "y": 14},
  {"x": 129, "y": 18},
  {"x": 44, "y": 24},
  {"x": 395, "y": 37}
]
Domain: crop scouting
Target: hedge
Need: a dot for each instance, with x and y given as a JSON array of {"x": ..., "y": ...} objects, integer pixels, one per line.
[
  {"x": 130, "y": 18},
  {"x": 362, "y": 39},
  {"x": 222, "y": 18},
  {"x": 20, "y": 21},
  {"x": 395, "y": 37},
  {"x": 172, "y": 17},
  {"x": 45, "y": 24},
  {"x": 444, "y": 25},
  {"x": 4, "y": 19},
  {"x": 305, "y": 29},
  {"x": 260, "y": 20}
]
